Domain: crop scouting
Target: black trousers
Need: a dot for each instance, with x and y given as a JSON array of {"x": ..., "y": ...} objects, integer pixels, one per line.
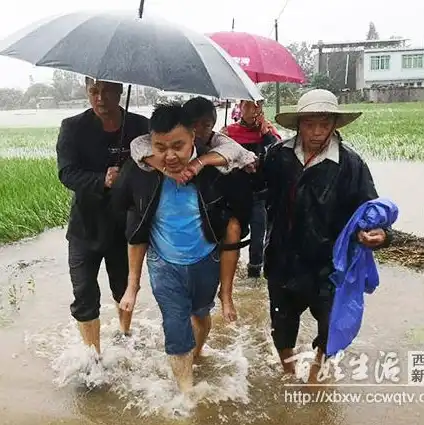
[
  {"x": 287, "y": 303},
  {"x": 84, "y": 266}
]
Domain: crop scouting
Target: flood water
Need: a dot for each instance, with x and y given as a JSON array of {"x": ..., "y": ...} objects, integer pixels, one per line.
[{"x": 47, "y": 377}]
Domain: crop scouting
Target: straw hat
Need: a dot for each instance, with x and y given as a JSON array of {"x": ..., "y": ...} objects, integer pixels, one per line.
[{"x": 316, "y": 102}]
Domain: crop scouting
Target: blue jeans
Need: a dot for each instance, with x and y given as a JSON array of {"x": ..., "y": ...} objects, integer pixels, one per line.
[
  {"x": 257, "y": 234},
  {"x": 182, "y": 292}
]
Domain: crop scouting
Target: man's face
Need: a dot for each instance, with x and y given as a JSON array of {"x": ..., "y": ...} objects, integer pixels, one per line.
[
  {"x": 104, "y": 97},
  {"x": 173, "y": 149},
  {"x": 250, "y": 111},
  {"x": 204, "y": 128},
  {"x": 315, "y": 130}
]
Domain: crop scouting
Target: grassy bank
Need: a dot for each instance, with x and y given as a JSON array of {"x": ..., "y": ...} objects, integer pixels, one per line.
[
  {"x": 31, "y": 198},
  {"x": 384, "y": 131}
]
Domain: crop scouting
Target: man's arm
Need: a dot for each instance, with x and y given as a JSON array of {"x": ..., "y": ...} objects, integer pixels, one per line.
[
  {"x": 236, "y": 156},
  {"x": 136, "y": 254},
  {"x": 71, "y": 174},
  {"x": 141, "y": 152}
]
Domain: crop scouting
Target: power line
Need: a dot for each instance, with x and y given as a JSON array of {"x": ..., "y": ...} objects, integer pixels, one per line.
[{"x": 279, "y": 15}]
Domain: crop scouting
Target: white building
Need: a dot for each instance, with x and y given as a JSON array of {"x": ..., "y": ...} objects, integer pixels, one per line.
[{"x": 394, "y": 66}]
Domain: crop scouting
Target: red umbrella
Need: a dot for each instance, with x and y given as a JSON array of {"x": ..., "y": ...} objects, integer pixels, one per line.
[{"x": 263, "y": 59}]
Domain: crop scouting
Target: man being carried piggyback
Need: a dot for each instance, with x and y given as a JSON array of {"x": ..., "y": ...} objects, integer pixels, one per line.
[{"x": 181, "y": 228}]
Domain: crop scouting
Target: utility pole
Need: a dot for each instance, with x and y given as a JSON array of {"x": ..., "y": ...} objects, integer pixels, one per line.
[
  {"x": 277, "y": 84},
  {"x": 233, "y": 25}
]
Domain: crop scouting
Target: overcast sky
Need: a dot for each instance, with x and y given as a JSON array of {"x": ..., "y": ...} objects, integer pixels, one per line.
[{"x": 309, "y": 20}]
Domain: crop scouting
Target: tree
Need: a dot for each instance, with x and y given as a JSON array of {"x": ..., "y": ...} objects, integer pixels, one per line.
[
  {"x": 11, "y": 99},
  {"x": 304, "y": 56},
  {"x": 323, "y": 81},
  {"x": 67, "y": 85},
  {"x": 372, "y": 32},
  {"x": 289, "y": 93},
  {"x": 151, "y": 95},
  {"x": 36, "y": 91}
]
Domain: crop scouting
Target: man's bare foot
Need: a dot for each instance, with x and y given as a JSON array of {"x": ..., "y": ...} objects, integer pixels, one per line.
[{"x": 287, "y": 361}]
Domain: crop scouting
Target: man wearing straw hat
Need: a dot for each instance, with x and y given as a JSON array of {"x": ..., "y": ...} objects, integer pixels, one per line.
[{"x": 315, "y": 184}]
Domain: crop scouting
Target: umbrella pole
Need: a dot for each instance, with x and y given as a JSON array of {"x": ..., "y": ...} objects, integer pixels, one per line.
[
  {"x": 227, "y": 105},
  {"x": 124, "y": 118},
  {"x": 141, "y": 9}
]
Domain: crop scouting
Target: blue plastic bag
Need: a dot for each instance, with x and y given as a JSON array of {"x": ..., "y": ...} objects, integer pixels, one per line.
[{"x": 355, "y": 272}]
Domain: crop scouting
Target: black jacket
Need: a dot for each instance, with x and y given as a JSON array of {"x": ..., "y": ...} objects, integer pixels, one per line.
[
  {"x": 220, "y": 198},
  {"x": 84, "y": 153},
  {"x": 308, "y": 209}
]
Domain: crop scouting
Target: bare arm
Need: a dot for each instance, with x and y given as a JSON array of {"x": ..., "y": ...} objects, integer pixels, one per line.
[
  {"x": 236, "y": 156},
  {"x": 136, "y": 254}
]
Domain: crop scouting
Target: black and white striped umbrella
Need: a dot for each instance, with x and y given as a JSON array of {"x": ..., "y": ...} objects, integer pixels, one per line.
[{"x": 123, "y": 48}]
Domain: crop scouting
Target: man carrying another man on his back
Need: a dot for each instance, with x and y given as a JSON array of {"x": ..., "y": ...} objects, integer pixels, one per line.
[
  {"x": 89, "y": 155},
  {"x": 182, "y": 229}
]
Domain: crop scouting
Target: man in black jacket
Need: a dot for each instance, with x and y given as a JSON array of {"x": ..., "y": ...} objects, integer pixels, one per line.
[
  {"x": 315, "y": 184},
  {"x": 89, "y": 156},
  {"x": 182, "y": 228}
]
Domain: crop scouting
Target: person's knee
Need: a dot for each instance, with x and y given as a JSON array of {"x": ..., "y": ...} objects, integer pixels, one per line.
[
  {"x": 179, "y": 336},
  {"x": 86, "y": 304},
  {"x": 118, "y": 288},
  {"x": 285, "y": 327},
  {"x": 85, "y": 311},
  {"x": 202, "y": 315}
]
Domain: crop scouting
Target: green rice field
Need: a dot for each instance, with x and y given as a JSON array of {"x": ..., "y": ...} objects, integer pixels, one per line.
[
  {"x": 32, "y": 199},
  {"x": 385, "y": 131}
]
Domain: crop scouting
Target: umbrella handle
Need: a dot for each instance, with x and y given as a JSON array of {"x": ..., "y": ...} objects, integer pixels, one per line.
[{"x": 124, "y": 118}]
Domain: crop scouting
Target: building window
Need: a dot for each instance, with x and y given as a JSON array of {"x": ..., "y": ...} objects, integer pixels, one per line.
[
  {"x": 413, "y": 61},
  {"x": 380, "y": 63}
]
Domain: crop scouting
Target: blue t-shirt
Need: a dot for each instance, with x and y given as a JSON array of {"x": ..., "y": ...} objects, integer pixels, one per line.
[{"x": 176, "y": 233}]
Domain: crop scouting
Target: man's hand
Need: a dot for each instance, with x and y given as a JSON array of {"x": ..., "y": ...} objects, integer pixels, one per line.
[
  {"x": 266, "y": 126},
  {"x": 192, "y": 169},
  {"x": 372, "y": 238},
  {"x": 229, "y": 312},
  {"x": 128, "y": 300},
  {"x": 251, "y": 168},
  {"x": 224, "y": 131},
  {"x": 111, "y": 176}
]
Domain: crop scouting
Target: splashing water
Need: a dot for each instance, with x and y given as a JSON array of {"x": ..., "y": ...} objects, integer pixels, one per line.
[{"x": 136, "y": 369}]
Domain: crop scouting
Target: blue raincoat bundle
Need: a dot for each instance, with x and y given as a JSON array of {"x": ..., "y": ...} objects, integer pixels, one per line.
[{"x": 355, "y": 272}]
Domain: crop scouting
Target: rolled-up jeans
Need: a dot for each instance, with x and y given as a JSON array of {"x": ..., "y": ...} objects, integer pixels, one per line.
[
  {"x": 181, "y": 292},
  {"x": 257, "y": 234}
]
